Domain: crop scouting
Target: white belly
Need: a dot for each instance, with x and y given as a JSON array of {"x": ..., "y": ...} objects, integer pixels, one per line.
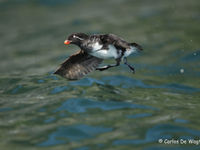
[{"x": 105, "y": 54}]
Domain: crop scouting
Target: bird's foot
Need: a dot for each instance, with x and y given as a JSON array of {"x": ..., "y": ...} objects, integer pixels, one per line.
[{"x": 130, "y": 67}]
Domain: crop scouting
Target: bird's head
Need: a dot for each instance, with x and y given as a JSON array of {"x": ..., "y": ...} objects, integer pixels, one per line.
[{"x": 76, "y": 38}]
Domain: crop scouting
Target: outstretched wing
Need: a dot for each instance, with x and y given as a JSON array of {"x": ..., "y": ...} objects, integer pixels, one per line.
[{"x": 78, "y": 65}]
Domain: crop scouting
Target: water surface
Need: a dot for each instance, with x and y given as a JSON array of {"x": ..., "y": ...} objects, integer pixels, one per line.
[{"x": 114, "y": 109}]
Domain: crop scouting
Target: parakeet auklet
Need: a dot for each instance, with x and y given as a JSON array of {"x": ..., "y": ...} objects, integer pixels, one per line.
[{"x": 94, "y": 49}]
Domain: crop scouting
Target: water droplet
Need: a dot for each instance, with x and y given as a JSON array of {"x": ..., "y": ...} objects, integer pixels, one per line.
[{"x": 181, "y": 70}]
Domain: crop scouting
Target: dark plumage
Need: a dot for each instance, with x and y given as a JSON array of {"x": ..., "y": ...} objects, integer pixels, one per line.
[
  {"x": 94, "y": 49},
  {"x": 78, "y": 65}
]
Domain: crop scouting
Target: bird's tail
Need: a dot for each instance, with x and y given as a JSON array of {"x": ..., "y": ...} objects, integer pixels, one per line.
[{"x": 139, "y": 47}]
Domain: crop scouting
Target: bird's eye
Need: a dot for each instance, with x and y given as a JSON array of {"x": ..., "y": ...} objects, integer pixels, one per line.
[{"x": 74, "y": 36}]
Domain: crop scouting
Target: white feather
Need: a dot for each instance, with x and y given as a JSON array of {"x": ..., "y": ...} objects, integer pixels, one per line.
[
  {"x": 74, "y": 36},
  {"x": 96, "y": 46},
  {"x": 130, "y": 51},
  {"x": 105, "y": 54}
]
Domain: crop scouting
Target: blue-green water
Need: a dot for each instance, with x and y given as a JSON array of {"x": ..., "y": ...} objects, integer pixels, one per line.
[{"x": 113, "y": 109}]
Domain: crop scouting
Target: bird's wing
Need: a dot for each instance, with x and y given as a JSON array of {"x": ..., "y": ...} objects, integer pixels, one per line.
[
  {"x": 113, "y": 39},
  {"x": 78, "y": 65}
]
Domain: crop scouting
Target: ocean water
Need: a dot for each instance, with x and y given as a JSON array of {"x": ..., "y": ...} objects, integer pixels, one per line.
[{"x": 157, "y": 108}]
